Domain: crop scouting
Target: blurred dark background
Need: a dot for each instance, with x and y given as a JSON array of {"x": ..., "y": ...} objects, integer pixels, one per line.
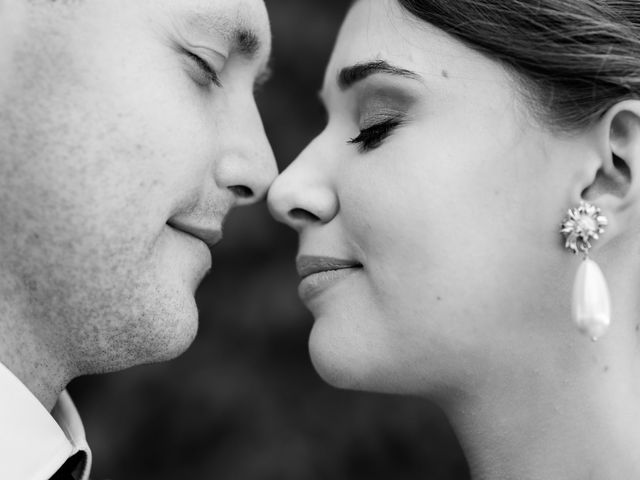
[{"x": 244, "y": 403}]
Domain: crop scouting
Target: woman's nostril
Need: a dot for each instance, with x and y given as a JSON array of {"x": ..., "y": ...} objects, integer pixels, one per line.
[
  {"x": 241, "y": 191},
  {"x": 304, "y": 215}
]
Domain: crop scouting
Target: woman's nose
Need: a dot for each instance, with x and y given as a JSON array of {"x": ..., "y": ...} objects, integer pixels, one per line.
[{"x": 303, "y": 195}]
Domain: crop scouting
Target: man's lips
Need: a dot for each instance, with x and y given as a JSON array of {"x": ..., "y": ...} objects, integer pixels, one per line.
[
  {"x": 308, "y": 264},
  {"x": 209, "y": 235}
]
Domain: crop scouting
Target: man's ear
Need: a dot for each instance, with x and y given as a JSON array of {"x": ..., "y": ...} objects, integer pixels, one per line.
[{"x": 616, "y": 184}]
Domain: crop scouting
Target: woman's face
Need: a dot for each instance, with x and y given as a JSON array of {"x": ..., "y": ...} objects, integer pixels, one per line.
[{"x": 435, "y": 185}]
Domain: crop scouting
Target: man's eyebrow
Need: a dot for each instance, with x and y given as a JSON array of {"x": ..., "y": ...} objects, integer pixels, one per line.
[
  {"x": 242, "y": 38},
  {"x": 246, "y": 42},
  {"x": 351, "y": 75}
]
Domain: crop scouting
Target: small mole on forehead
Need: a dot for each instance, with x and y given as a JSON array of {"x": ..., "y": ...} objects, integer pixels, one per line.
[{"x": 445, "y": 74}]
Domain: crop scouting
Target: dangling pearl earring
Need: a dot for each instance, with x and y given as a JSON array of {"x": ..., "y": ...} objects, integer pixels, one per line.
[{"x": 590, "y": 303}]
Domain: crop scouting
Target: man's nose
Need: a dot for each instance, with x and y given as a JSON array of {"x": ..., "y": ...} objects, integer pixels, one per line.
[
  {"x": 303, "y": 194},
  {"x": 246, "y": 165}
]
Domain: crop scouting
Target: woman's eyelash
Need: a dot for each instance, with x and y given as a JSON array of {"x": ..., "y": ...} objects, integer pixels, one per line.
[
  {"x": 373, "y": 136},
  {"x": 209, "y": 72}
]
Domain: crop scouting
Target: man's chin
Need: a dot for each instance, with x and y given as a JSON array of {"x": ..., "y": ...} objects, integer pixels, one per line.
[
  {"x": 172, "y": 337},
  {"x": 150, "y": 338},
  {"x": 175, "y": 346}
]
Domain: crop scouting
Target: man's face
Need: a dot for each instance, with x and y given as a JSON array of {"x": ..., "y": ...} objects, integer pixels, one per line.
[{"x": 128, "y": 130}]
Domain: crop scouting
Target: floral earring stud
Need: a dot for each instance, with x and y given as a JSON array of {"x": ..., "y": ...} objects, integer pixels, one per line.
[{"x": 590, "y": 302}]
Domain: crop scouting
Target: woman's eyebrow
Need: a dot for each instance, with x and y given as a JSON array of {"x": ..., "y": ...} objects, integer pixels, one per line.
[{"x": 351, "y": 75}]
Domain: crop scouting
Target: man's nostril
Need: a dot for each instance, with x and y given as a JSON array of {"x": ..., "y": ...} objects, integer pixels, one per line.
[
  {"x": 302, "y": 214},
  {"x": 241, "y": 191}
]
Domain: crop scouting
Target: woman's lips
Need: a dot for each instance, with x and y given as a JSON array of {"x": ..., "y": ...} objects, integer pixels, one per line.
[{"x": 319, "y": 273}]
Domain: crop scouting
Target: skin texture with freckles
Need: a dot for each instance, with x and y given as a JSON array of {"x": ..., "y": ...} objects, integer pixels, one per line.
[
  {"x": 110, "y": 130},
  {"x": 449, "y": 192}
]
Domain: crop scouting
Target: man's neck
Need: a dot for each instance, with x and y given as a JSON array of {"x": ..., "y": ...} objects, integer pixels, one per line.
[
  {"x": 43, "y": 380},
  {"x": 24, "y": 351}
]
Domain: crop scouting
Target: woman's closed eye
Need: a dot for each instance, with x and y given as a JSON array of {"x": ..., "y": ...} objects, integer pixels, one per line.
[
  {"x": 372, "y": 137},
  {"x": 201, "y": 72}
]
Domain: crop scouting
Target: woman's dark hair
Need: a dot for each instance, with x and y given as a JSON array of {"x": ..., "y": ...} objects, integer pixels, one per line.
[{"x": 577, "y": 57}]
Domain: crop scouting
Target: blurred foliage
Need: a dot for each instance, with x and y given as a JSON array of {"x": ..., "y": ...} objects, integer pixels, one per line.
[{"x": 244, "y": 402}]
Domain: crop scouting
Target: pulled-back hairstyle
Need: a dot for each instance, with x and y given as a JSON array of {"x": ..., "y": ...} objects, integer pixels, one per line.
[{"x": 577, "y": 58}]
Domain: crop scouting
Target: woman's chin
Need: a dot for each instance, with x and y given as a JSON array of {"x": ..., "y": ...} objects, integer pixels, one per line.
[
  {"x": 348, "y": 363},
  {"x": 333, "y": 357}
]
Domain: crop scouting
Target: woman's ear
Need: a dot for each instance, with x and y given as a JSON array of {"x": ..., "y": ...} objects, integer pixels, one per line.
[{"x": 616, "y": 185}]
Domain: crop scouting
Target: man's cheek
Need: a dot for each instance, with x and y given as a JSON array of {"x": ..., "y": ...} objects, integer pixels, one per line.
[{"x": 12, "y": 17}]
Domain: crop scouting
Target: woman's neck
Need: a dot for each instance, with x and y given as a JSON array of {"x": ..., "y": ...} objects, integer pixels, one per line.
[{"x": 554, "y": 424}]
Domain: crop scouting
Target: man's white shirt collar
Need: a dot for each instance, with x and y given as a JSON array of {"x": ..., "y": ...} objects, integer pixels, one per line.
[{"x": 33, "y": 442}]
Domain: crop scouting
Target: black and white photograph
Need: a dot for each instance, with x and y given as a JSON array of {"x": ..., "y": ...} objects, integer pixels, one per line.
[{"x": 319, "y": 240}]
